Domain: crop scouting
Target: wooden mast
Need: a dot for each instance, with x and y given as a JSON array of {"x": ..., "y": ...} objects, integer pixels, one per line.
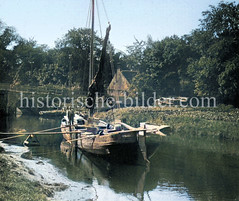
[
  {"x": 91, "y": 67},
  {"x": 96, "y": 83}
]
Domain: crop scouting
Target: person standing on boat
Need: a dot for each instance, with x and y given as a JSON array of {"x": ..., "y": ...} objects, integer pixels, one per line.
[{"x": 71, "y": 116}]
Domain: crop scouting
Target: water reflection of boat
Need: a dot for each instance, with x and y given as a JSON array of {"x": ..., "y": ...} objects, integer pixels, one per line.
[{"x": 119, "y": 177}]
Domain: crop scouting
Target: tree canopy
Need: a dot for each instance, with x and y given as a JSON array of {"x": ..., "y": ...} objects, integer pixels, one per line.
[{"x": 202, "y": 63}]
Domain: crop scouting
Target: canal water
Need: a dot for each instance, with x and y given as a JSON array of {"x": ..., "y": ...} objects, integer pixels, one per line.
[{"x": 181, "y": 168}]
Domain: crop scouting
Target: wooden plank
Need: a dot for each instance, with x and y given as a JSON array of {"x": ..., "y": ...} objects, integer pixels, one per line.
[
  {"x": 43, "y": 133},
  {"x": 127, "y": 126},
  {"x": 126, "y": 131}
]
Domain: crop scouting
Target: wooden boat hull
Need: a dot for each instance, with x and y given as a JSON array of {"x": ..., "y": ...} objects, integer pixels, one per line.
[
  {"x": 108, "y": 143},
  {"x": 115, "y": 144},
  {"x": 65, "y": 130}
]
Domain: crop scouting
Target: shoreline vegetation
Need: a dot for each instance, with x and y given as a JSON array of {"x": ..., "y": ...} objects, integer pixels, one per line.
[
  {"x": 221, "y": 122},
  {"x": 15, "y": 182}
]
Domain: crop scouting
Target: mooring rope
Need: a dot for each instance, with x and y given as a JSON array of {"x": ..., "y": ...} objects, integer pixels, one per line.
[
  {"x": 32, "y": 133},
  {"x": 12, "y": 137},
  {"x": 47, "y": 129}
]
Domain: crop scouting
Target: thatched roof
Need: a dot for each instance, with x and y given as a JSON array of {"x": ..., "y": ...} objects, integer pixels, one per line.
[
  {"x": 119, "y": 82},
  {"x": 129, "y": 75}
]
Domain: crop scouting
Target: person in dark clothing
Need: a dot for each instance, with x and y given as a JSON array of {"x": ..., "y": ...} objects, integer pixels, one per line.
[{"x": 71, "y": 116}]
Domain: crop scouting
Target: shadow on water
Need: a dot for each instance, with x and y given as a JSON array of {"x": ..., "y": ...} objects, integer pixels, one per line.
[
  {"x": 182, "y": 167},
  {"x": 208, "y": 168},
  {"x": 5, "y": 124}
]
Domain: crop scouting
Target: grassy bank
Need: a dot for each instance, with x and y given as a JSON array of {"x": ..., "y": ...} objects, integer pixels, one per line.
[
  {"x": 15, "y": 186},
  {"x": 220, "y": 122}
]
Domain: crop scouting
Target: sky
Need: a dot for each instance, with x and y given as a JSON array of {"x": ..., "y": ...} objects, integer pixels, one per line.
[{"x": 48, "y": 20}]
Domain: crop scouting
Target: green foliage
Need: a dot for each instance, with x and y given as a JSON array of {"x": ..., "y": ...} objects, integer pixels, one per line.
[
  {"x": 221, "y": 122},
  {"x": 135, "y": 58},
  {"x": 203, "y": 63},
  {"x": 73, "y": 56},
  {"x": 163, "y": 68},
  {"x": 215, "y": 73},
  {"x": 7, "y": 38},
  {"x": 29, "y": 58},
  {"x": 27, "y": 63}
]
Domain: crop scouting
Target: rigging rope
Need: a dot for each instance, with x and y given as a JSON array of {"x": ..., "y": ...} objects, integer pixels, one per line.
[
  {"x": 98, "y": 11},
  {"x": 105, "y": 11},
  {"x": 88, "y": 16}
]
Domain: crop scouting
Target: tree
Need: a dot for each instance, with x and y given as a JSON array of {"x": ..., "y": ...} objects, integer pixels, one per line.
[
  {"x": 164, "y": 67},
  {"x": 8, "y": 37},
  {"x": 73, "y": 55},
  {"x": 30, "y": 58},
  {"x": 134, "y": 58},
  {"x": 217, "y": 43}
]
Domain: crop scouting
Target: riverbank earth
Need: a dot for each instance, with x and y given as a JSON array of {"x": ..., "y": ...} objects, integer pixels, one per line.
[
  {"x": 35, "y": 178},
  {"x": 16, "y": 183}
]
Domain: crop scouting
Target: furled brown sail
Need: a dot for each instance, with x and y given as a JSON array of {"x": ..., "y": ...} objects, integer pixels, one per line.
[{"x": 97, "y": 84}]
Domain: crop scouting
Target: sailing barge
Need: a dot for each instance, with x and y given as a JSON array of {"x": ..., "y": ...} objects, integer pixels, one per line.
[
  {"x": 95, "y": 136},
  {"x": 98, "y": 137}
]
